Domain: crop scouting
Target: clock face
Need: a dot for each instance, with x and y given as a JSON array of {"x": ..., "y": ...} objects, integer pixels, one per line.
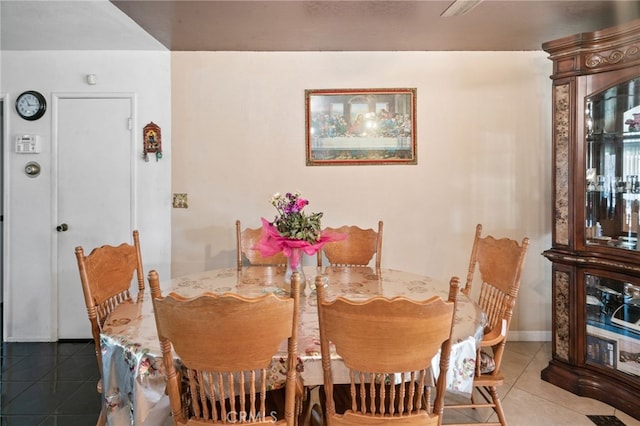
[{"x": 31, "y": 105}]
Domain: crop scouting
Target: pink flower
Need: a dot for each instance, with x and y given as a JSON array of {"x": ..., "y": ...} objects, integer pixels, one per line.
[{"x": 300, "y": 203}]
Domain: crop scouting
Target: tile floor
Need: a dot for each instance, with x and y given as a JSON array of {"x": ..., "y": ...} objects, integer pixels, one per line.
[
  {"x": 55, "y": 384},
  {"x": 529, "y": 401},
  {"x": 49, "y": 384}
]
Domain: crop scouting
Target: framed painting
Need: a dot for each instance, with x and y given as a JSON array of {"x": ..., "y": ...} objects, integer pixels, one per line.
[{"x": 360, "y": 126}]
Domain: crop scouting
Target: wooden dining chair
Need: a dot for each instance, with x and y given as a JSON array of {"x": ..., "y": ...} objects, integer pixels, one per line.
[
  {"x": 500, "y": 263},
  {"x": 106, "y": 275},
  {"x": 388, "y": 346},
  {"x": 357, "y": 249},
  {"x": 225, "y": 344},
  {"x": 247, "y": 238}
]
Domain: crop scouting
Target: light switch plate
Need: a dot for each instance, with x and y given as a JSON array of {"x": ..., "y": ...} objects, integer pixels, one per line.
[{"x": 180, "y": 201}]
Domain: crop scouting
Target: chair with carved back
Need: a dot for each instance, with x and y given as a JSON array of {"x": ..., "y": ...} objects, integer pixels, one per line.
[
  {"x": 357, "y": 249},
  {"x": 225, "y": 344},
  {"x": 388, "y": 346},
  {"x": 107, "y": 274},
  {"x": 499, "y": 263},
  {"x": 247, "y": 238}
]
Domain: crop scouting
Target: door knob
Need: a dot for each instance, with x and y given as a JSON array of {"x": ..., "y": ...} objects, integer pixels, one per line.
[
  {"x": 62, "y": 227},
  {"x": 32, "y": 169}
]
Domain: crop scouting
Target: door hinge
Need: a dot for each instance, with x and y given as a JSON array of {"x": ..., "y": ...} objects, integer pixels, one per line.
[{"x": 129, "y": 123}]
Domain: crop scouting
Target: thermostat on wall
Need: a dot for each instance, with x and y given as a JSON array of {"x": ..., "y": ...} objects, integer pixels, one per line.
[{"x": 27, "y": 144}]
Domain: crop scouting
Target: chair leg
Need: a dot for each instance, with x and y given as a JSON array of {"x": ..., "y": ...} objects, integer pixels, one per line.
[
  {"x": 317, "y": 416},
  {"x": 310, "y": 401},
  {"x": 497, "y": 405},
  {"x": 303, "y": 407},
  {"x": 102, "y": 417}
]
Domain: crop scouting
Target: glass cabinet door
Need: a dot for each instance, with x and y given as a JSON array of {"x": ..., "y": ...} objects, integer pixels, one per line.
[
  {"x": 613, "y": 324},
  {"x": 612, "y": 155}
]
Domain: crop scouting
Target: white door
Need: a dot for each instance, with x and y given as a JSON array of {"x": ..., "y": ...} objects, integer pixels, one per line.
[{"x": 94, "y": 193}]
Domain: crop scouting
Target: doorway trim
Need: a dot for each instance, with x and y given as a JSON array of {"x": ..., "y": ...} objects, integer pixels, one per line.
[
  {"x": 56, "y": 97},
  {"x": 4, "y": 156}
]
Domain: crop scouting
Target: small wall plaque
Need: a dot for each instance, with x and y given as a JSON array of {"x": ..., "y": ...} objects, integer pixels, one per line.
[{"x": 152, "y": 141}]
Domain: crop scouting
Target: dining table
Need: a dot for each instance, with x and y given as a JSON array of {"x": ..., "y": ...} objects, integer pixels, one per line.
[{"x": 133, "y": 372}]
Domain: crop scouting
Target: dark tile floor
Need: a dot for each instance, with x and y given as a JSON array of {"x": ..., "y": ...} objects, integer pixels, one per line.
[{"x": 49, "y": 384}]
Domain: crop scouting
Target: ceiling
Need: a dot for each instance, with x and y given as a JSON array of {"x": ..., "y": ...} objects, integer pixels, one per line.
[{"x": 276, "y": 25}]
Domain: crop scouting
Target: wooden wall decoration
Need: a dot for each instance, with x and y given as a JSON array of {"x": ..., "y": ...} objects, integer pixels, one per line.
[{"x": 152, "y": 141}]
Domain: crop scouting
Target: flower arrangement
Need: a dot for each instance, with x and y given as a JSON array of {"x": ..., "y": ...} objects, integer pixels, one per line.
[
  {"x": 291, "y": 222},
  {"x": 292, "y": 230}
]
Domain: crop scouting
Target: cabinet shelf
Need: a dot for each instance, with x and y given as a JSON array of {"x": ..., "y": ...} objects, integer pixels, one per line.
[{"x": 624, "y": 137}]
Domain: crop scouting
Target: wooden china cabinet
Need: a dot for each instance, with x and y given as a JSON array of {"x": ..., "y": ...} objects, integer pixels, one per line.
[{"x": 596, "y": 216}]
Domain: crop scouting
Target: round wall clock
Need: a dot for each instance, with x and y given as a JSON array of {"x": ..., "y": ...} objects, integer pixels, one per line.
[{"x": 31, "y": 105}]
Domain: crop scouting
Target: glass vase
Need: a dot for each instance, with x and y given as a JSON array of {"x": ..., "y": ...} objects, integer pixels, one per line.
[{"x": 290, "y": 270}]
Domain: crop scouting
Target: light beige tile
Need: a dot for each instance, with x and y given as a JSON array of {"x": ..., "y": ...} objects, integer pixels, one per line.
[
  {"x": 627, "y": 419},
  {"x": 524, "y": 348},
  {"x": 529, "y": 401},
  {"x": 463, "y": 415},
  {"x": 466, "y": 415},
  {"x": 584, "y": 405},
  {"x": 514, "y": 364},
  {"x": 531, "y": 382},
  {"x": 525, "y": 409}
]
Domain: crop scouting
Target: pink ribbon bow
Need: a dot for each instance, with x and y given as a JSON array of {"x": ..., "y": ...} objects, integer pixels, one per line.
[{"x": 271, "y": 242}]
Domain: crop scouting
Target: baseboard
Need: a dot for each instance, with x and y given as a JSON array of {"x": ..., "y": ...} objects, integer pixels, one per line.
[
  {"x": 35, "y": 339},
  {"x": 529, "y": 336}
]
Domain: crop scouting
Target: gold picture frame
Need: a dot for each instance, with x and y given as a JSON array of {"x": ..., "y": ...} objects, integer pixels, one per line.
[{"x": 360, "y": 126}]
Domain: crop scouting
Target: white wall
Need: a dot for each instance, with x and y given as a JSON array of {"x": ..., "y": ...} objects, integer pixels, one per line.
[
  {"x": 233, "y": 133},
  {"x": 484, "y": 156},
  {"x": 29, "y": 221}
]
